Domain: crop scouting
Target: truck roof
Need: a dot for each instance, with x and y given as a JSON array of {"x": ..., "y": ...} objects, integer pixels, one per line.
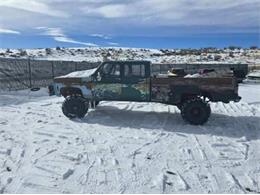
[{"x": 128, "y": 62}]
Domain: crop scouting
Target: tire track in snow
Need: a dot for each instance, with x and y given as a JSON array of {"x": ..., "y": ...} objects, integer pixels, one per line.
[
  {"x": 25, "y": 184},
  {"x": 14, "y": 150},
  {"x": 81, "y": 144}
]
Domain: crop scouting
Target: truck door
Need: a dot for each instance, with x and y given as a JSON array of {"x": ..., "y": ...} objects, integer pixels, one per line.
[
  {"x": 108, "y": 82},
  {"x": 135, "y": 82}
]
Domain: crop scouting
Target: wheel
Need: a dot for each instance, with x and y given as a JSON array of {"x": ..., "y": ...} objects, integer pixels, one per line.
[
  {"x": 35, "y": 89},
  {"x": 94, "y": 104},
  {"x": 196, "y": 111},
  {"x": 75, "y": 107}
]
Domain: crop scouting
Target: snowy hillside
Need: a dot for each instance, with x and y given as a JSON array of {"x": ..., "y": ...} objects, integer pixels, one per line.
[
  {"x": 126, "y": 147},
  {"x": 94, "y": 54}
]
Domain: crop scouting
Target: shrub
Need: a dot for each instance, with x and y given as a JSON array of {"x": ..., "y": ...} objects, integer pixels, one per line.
[
  {"x": 254, "y": 47},
  {"x": 48, "y": 51}
]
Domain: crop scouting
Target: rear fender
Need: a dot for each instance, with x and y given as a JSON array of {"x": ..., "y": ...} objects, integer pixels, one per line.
[{"x": 178, "y": 93}]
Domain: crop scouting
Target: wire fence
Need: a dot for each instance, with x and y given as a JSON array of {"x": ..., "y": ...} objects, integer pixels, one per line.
[{"x": 27, "y": 73}]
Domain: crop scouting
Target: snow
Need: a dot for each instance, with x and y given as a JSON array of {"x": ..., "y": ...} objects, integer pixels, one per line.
[
  {"x": 97, "y": 54},
  {"x": 127, "y": 147},
  {"x": 250, "y": 93},
  {"x": 80, "y": 74},
  {"x": 255, "y": 73}
]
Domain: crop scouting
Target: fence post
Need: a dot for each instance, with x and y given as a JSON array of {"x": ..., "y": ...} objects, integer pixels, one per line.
[
  {"x": 30, "y": 73},
  {"x": 52, "y": 69},
  {"x": 76, "y": 67}
]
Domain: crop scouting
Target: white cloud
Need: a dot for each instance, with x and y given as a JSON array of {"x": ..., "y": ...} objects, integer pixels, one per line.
[
  {"x": 69, "y": 40},
  {"x": 111, "y": 11},
  {"x": 33, "y": 6},
  {"x": 136, "y": 9},
  {"x": 100, "y": 36},
  {"x": 8, "y": 31},
  {"x": 58, "y": 35},
  {"x": 99, "y": 18},
  {"x": 113, "y": 43},
  {"x": 54, "y": 32},
  {"x": 177, "y": 12}
]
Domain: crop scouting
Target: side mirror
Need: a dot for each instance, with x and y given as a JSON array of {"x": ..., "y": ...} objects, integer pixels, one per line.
[
  {"x": 96, "y": 77},
  {"x": 93, "y": 77}
]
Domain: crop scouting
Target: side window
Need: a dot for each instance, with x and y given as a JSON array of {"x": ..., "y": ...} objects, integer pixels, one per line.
[
  {"x": 135, "y": 70},
  {"x": 111, "y": 70},
  {"x": 106, "y": 69},
  {"x": 115, "y": 70}
]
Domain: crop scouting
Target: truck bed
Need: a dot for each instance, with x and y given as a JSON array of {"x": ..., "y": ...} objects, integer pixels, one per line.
[{"x": 216, "y": 89}]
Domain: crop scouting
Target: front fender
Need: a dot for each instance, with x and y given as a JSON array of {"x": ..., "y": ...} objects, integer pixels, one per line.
[{"x": 76, "y": 89}]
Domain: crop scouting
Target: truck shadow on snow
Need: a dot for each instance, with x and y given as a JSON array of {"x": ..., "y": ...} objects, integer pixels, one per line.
[{"x": 218, "y": 124}]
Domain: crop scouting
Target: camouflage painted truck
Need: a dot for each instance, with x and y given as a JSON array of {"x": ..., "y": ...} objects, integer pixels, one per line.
[{"x": 133, "y": 81}]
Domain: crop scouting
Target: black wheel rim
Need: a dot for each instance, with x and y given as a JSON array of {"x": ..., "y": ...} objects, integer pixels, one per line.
[
  {"x": 196, "y": 112},
  {"x": 74, "y": 109}
]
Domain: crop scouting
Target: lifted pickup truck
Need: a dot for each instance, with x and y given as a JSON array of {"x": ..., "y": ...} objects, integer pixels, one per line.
[{"x": 133, "y": 81}]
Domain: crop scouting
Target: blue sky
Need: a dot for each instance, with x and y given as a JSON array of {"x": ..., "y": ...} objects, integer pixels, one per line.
[{"x": 129, "y": 23}]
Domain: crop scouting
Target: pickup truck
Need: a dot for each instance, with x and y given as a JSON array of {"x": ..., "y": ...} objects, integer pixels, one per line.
[{"x": 133, "y": 81}]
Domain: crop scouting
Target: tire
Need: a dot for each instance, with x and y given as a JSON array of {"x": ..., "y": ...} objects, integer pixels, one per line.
[
  {"x": 75, "y": 107},
  {"x": 35, "y": 89},
  {"x": 196, "y": 111}
]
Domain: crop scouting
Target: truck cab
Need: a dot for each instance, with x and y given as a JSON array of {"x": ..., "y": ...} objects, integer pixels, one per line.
[
  {"x": 122, "y": 81},
  {"x": 112, "y": 80}
]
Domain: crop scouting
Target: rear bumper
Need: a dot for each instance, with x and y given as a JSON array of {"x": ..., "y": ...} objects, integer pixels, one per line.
[
  {"x": 226, "y": 97},
  {"x": 233, "y": 97}
]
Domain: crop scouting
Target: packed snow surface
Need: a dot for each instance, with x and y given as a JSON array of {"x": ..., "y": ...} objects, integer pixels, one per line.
[{"x": 127, "y": 147}]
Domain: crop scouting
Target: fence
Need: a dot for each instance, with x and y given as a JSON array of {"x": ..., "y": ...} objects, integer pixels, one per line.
[{"x": 26, "y": 73}]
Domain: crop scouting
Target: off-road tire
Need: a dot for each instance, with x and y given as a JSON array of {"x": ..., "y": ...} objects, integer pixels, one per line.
[
  {"x": 196, "y": 111},
  {"x": 75, "y": 107}
]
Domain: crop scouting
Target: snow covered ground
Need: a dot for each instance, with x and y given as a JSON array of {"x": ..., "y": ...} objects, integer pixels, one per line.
[{"x": 126, "y": 147}]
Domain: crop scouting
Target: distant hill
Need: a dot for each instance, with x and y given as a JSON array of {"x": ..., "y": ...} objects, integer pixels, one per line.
[{"x": 95, "y": 54}]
